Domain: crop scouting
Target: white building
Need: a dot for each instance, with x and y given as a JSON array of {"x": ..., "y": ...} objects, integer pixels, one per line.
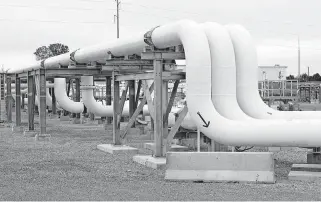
[{"x": 276, "y": 72}]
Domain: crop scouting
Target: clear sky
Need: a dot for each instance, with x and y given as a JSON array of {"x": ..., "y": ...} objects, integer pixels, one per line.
[{"x": 274, "y": 24}]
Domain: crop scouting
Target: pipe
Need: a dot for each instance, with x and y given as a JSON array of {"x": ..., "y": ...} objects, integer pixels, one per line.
[
  {"x": 247, "y": 82},
  {"x": 95, "y": 107},
  {"x": 232, "y": 132},
  {"x": 62, "y": 98}
]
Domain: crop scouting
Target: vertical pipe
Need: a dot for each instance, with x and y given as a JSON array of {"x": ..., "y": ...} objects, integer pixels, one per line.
[
  {"x": 77, "y": 95},
  {"x": 31, "y": 102},
  {"x": 18, "y": 102},
  {"x": 116, "y": 111},
  {"x": 9, "y": 100},
  {"x": 108, "y": 96},
  {"x": 132, "y": 106},
  {"x": 158, "y": 124},
  {"x": 42, "y": 105},
  {"x": 198, "y": 140}
]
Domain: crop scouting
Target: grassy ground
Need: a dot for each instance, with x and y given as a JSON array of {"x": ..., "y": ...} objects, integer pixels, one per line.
[{"x": 69, "y": 167}]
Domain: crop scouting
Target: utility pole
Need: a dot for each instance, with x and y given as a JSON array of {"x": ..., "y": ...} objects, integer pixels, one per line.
[
  {"x": 299, "y": 60},
  {"x": 117, "y": 17},
  {"x": 308, "y": 73}
]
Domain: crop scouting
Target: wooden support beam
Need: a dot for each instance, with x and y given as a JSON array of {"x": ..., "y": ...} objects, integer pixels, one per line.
[
  {"x": 158, "y": 121},
  {"x": 149, "y": 99},
  {"x": 150, "y": 76},
  {"x": 171, "y": 100},
  {"x": 108, "y": 97},
  {"x": 77, "y": 81},
  {"x": 53, "y": 102},
  {"x": 131, "y": 93},
  {"x": 9, "y": 100},
  {"x": 175, "y": 128},
  {"x": 165, "y": 103},
  {"x": 139, "y": 87},
  {"x": 31, "y": 101},
  {"x": 122, "y": 103},
  {"x": 42, "y": 104},
  {"x": 116, "y": 112},
  {"x": 163, "y": 55},
  {"x": 18, "y": 102}
]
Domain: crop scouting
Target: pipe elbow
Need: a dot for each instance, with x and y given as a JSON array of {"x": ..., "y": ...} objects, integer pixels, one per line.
[{"x": 62, "y": 98}]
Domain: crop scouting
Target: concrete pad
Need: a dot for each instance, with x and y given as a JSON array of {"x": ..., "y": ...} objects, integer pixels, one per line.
[
  {"x": 117, "y": 149},
  {"x": 174, "y": 147},
  {"x": 19, "y": 129},
  {"x": 150, "y": 161},
  {"x": 314, "y": 158},
  {"x": 64, "y": 118},
  {"x": 305, "y": 172},
  {"x": 255, "y": 167},
  {"x": 42, "y": 137},
  {"x": 274, "y": 149},
  {"x": 30, "y": 133}
]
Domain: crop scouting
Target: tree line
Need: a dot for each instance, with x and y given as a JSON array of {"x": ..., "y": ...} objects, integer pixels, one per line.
[{"x": 305, "y": 77}]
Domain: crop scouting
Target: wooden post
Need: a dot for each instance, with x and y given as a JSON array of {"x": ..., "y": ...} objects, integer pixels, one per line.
[
  {"x": 42, "y": 104},
  {"x": 54, "y": 102},
  {"x": 165, "y": 104},
  {"x": 18, "y": 102},
  {"x": 108, "y": 96},
  {"x": 9, "y": 100},
  {"x": 77, "y": 95},
  {"x": 31, "y": 101},
  {"x": 158, "y": 121},
  {"x": 116, "y": 112},
  {"x": 132, "y": 106}
]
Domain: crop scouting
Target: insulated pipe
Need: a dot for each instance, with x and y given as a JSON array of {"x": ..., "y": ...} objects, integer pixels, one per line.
[
  {"x": 231, "y": 132},
  {"x": 62, "y": 98},
  {"x": 247, "y": 82},
  {"x": 95, "y": 107},
  {"x": 223, "y": 75}
]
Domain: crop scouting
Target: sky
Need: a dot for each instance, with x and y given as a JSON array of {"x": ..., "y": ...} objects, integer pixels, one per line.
[{"x": 275, "y": 25}]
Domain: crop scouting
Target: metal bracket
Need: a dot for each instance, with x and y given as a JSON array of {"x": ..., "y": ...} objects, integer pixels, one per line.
[{"x": 148, "y": 37}]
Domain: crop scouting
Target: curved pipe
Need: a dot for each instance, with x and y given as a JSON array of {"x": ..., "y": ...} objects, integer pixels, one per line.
[
  {"x": 62, "y": 98},
  {"x": 247, "y": 82},
  {"x": 95, "y": 107},
  {"x": 232, "y": 132}
]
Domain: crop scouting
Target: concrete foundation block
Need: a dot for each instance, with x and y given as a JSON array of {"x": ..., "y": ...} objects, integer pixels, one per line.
[
  {"x": 314, "y": 158},
  {"x": 64, "y": 118},
  {"x": 18, "y": 129},
  {"x": 150, "y": 161},
  {"x": 30, "y": 133},
  {"x": 117, "y": 149},
  {"x": 305, "y": 172},
  {"x": 257, "y": 167},
  {"x": 174, "y": 147},
  {"x": 42, "y": 137},
  {"x": 76, "y": 121}
]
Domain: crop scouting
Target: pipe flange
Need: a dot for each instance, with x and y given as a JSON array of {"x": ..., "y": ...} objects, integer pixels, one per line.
[
  {"x": 42, "y": 63},
  {"x": 72, "y": 56},
  {"x": 148, "y": 36}
]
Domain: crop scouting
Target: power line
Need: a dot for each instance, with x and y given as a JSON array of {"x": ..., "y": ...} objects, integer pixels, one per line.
[
  {"x": 51, "y": 7},
  {"x": 52, "y": 21}
]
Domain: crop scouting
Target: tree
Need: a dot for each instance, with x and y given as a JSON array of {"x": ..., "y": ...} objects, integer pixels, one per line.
[
  {"x": 55, "y": 49},
  {"x": 316, "y": 77},
  {"x": 290, "y": 77}
]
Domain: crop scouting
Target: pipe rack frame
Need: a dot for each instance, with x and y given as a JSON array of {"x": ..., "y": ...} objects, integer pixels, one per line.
[{"x": 160, "y": 74}]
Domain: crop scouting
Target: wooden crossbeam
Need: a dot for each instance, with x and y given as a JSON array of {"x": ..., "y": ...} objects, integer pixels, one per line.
[
  {"x": 122, "y": 103},
  {"x": 171, "y": 100},
  {"x": 176, "y": 127},
  {"x": 149, "y": 99},
  {"x": 139, "y": 87},
  {"x": 136, "y": 113}
]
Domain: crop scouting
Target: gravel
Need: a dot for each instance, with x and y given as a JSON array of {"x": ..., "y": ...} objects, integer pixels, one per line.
[{"x": 70, "y": 167}]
